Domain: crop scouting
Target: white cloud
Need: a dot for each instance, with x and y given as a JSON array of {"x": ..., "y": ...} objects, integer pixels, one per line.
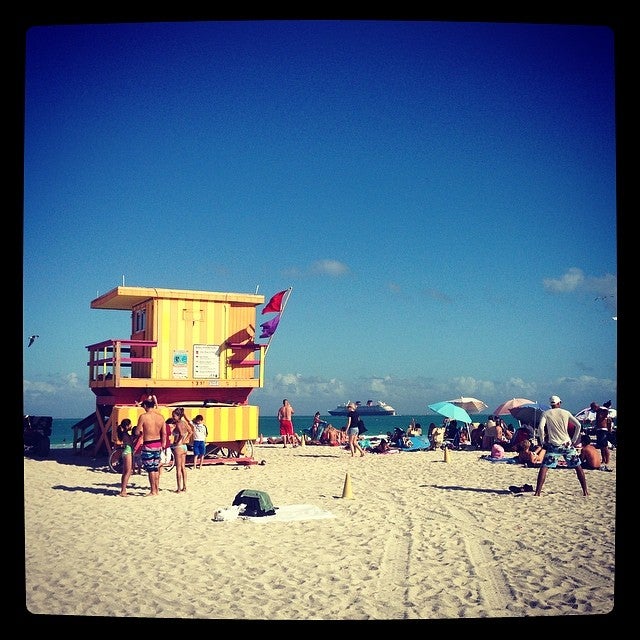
[
  {"x": 573, "y": 279},
  {"x": 604, "y": 288},
  {"x": 330, "y": 267}
]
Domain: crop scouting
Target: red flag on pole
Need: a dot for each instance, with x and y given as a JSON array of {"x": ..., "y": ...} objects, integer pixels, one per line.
[{"x": 275, "y": 304}]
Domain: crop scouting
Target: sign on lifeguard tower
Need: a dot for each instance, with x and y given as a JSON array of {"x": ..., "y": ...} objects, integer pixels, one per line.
[
  {"x": 206, "y": 361},
  {"x": 180, "y": 369}
]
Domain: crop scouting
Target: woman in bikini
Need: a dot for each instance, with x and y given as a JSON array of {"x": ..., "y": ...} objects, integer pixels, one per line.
[{"x": 181, "y": 433}]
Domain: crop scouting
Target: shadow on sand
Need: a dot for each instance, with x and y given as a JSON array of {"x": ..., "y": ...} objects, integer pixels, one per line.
[{"x": 71, "y": 457}]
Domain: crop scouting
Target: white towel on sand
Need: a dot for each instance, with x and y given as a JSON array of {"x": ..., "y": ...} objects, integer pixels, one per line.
[{"x": 291, "y": 512}]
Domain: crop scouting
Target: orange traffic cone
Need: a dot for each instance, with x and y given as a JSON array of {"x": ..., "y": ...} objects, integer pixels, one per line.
[{"x": 346, "y": 492}]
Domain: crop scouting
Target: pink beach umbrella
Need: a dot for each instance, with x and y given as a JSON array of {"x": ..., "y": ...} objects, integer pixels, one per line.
[{"x": 505, "y": 408}]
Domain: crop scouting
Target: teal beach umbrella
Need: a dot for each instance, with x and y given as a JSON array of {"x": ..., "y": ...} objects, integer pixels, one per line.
[{"x": 450, "y": 410}]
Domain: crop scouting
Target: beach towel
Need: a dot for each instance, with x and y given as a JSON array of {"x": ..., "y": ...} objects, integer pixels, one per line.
[
  {"x": 291, "y": 512},
  {"x": 505, "y": 460},
  {"x": 418, "y": 443}
]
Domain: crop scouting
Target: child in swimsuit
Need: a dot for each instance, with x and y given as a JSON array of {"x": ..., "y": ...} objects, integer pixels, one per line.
[{"x": 128, "y": 441}]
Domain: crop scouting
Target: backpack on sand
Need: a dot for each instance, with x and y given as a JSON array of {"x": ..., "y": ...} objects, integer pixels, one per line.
[{"x": 258, "y": 503}]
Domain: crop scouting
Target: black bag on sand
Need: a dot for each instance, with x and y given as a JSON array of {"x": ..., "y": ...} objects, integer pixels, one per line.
[{"x": 258, "y": 503}]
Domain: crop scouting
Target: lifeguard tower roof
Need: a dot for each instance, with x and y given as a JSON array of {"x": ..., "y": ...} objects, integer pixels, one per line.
[{"x": 126, "y": 298}]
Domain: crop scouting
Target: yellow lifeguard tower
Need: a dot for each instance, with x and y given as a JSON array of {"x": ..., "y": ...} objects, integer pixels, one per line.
[{"x": 194, "y": 349}]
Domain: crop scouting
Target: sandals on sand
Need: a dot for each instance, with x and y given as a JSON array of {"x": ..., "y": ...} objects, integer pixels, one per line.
[{"x": 525, "y": 488}]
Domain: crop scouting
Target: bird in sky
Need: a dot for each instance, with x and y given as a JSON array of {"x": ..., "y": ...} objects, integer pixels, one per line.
[{"x": 32, "y": 339}]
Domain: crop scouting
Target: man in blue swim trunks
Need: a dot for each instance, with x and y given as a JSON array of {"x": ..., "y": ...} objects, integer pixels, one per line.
[
  {"x": 554, "y": 431},
  {"x": 151, "y": 424}
]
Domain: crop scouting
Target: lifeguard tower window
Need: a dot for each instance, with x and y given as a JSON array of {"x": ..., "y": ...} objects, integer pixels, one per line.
[{"x": 140, "y": 320}]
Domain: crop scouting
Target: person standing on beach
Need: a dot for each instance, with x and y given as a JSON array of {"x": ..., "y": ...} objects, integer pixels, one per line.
[
  {"x": 167, "y": 438},
  {"x": 603, "y": 431},
  {"x": 128, "y": 442},
  {"x": 137, "y": 459},
  {"x": 200, "y": 433},
  {"x": 182, "y": 431},
  {"x": 558, "y": 444},
  {"x": 151, "y": 426},
  {"x": 285, "y": 418},
  {"x": 352, "y": 430}
]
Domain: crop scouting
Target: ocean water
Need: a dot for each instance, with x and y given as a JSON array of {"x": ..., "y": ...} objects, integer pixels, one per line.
[{"x": 62, "y": 429}]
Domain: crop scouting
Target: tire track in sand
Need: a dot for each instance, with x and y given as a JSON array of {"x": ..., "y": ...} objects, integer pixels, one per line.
[
  {"x": 491, "y": 580},
  {"x": 393, "y": 565}
]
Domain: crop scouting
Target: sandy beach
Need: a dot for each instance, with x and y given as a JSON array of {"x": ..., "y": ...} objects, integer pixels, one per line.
[{"x": 390, "y": 537}]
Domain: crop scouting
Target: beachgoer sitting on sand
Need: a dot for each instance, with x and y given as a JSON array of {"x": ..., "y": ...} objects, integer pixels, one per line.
[
  {"x": 504, "y": 433},
  {"x": 317, "y": 427},
  {"x": 381, "y": 447},
  {"x": 590, "y": 456},
  {"x": 461, "y": 435},
  {"x": 437, "y": 437},
  {"x": 497, "y": 451},
  {"x": 405, "y": 442},
  {"x": 492, "y": 433},
  {"x": 295, "y": 438},
  {"x": 332, "y": 436},
  {"x": 521, "y": 434},
  {"x": 414, "y": 429},
  {"x": 528, "y": 454},
  {"x": 451, "y": 428},
  {"x": 476, "y": 435}
]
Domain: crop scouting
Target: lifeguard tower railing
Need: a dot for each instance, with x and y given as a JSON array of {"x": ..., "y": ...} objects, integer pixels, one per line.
[
  {"x": 111, "y": 360},
  {"x": 120, "y": 369}
]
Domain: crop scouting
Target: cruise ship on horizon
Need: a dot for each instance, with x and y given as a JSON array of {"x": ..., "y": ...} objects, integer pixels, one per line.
[{"x": 371, "y": 408}]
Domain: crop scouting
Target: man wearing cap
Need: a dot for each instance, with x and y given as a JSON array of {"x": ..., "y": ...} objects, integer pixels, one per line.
[{"x": 554, "y": 429}]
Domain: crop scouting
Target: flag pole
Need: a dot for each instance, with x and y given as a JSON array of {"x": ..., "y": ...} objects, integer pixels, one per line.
[{"x": 281, "y": 312}]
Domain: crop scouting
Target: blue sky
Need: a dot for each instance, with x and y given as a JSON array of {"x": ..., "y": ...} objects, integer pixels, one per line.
[{"x": 441, "y": 196}]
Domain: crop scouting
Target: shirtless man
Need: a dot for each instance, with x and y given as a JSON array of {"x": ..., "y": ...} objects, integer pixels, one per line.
[
  {"x": 603, "y": 431},
  {"x": 285, "y": 416},
  {"x": 151, "y": 424},
  {"x": 590, "y": 456}
]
